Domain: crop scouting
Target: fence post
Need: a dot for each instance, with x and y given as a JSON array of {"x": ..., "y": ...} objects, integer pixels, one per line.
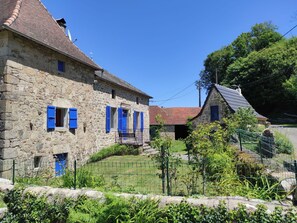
[
  {"x": 188, "y": 149},
  {"x": 203, "y": 176},
  {"x": 295, "y": 169},
  {"x": 163, "y": 168},
  {"x": 240, "y": 143},
  {"x": 74, "y": 180},
  {"x": 260, "y": 151},
  {"x": 13, "y": 172},
  {"x": 167, "y": 172}
]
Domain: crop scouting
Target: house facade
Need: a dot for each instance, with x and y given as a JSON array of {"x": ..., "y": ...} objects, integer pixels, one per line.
[
  {"x": 174, "y": 120},
  {"x": 220, "y": 103},
  {"x": 56, "y": 104}
]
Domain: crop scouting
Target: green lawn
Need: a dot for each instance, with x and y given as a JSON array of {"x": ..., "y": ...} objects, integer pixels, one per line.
[
  {"x": 138, "y": 174},
  {"x": 178, "y": 146}
]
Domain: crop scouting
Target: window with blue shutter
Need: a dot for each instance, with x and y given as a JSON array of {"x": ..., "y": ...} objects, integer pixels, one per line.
[
  {"x": 51, "y": 117},
  {"x": 108, "y": 114},
  {"x": 120, "y": 119},
  {"x": 141, "y": 121},
  {"x": 135, "y": 121},
  {"x": 214, "y": 113},
  {"x": 72, "y": 118}
]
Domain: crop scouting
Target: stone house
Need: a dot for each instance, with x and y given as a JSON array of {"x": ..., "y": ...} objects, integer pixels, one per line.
[
  {"x": 222, "y": 101},
  {"x": 175, "y": 120},
  {"x": 56, "y": 104}
]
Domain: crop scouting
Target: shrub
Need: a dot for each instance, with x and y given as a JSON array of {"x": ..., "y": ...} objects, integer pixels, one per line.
[
  {"x": 113, "y": 151},
  {"x": 28, "y": 208},
  {"x": 282, "y": 143},
  {"x": 84, "y": 178}
]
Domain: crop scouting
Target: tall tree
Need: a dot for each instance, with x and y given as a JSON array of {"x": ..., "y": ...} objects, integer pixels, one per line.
[
  {"x": 261, "y": 35},
  {"x": 260, "y": 61}
]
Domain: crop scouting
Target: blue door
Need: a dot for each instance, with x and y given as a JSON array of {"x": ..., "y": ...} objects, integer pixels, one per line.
[
  {"x": 60, "y": 164},
  {"x": 125, "y": 121}
]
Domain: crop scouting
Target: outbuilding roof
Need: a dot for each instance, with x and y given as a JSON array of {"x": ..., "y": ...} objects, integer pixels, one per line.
[
  {"x": 30, "y": 19},
  {"x": 235, "y": 99},
  {"x": 173, "y": 116}
]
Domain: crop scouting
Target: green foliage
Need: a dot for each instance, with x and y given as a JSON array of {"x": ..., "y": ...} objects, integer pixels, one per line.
[
  {"x": 282, "y": 143},
  {"x": 27, "y": 208},
  {"x": 291, "y": 85},
  {"x": 115, "y": 209},
  {"x": 246, "y": 119},
  {"x": 177, "y": 146},
  {"x": 84, "y": 178},
  {"x": 113, "y": 151},
  {"x": 261, "y": 62}
]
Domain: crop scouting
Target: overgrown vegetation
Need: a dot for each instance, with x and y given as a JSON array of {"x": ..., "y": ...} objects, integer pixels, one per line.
[
  {"x": 225, "y": 171},
  {"x": 282, "y": 143},
  {"x": 114, "y": 150},
  {"x": 27, "y": 208}
]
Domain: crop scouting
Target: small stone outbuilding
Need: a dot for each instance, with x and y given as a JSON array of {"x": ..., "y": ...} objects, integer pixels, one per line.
[
  {"x": 56, "y": 104},
  {"x": 222, "y": 101},
  {"x": 175, "y": 120}
]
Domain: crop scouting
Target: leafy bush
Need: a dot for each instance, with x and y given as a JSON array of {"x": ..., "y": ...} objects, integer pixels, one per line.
[
  {"x": 114, "y": 150},
  {"x": 282, "y": 143},
  {"x": 84, "y": 178},
  {"x": 27, "y": 208}
]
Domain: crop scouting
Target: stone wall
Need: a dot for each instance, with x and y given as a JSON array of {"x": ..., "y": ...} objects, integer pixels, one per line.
[
  {"x": 32, "y": 83},
  {"x": 169, "y": 131},
  {"x": 125, "y": 99},
  {"x": 52, "y": 194},
  {"x": 213, "y": 99}
]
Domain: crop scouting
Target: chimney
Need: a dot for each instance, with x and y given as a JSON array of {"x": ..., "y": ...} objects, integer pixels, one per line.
[
  {"x": 62, "y": 24},
  {"x": 239, "y": 90}
]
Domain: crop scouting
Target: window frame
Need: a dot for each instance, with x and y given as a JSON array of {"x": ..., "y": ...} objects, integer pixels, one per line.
[
  {"x": 61, "y": 66},
  {"x": 113, "y": 94},
  {"x": 64, "y": 117},
  {"x": 113, "y": 118},
  {"x": 213, "y": 119}
]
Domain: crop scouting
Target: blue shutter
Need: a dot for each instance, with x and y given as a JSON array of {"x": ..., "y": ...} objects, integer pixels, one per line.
[
  {"x": 51, "y": 117},
  {"x": 214, "y": 113},
  {"x": 72, "y": 118},
  {"x": 120, "y": 119},
  {"x": 134, "y": 121},
  {"x": 108, "y": 116},
  {"x": 141, "y": 121}
]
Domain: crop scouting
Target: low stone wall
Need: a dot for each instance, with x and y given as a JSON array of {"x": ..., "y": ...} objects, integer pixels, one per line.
[{"x": 231, "y": 202}]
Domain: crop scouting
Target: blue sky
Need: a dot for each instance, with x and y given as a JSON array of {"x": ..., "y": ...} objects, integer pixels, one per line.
[{"x": 159, "y": 45}]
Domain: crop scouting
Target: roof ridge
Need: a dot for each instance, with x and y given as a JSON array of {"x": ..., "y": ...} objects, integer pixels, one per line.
[
  {"x": 230, "y": 89},
  {"x": 14, "y": 14}
]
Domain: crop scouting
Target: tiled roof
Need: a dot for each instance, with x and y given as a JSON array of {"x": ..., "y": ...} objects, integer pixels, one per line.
[
  {"x": 31, "y": 19},
  {"x": 173, "y": 116},
  {"x": 106, "y": 76},
  {"x": 235, "y": 100}
]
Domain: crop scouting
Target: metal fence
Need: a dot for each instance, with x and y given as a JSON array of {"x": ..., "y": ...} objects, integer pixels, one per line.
[{"x": 170, "y": 175}]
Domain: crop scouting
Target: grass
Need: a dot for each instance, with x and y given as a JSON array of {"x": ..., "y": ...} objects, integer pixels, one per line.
[
  {"x": 2, "y": 204},
  {"x": 178, "y": 146},
  {"x": 137, "y": 174}
]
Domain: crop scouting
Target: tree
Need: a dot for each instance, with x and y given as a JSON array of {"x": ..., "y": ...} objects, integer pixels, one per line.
[{"x": 261, "y": 62}]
